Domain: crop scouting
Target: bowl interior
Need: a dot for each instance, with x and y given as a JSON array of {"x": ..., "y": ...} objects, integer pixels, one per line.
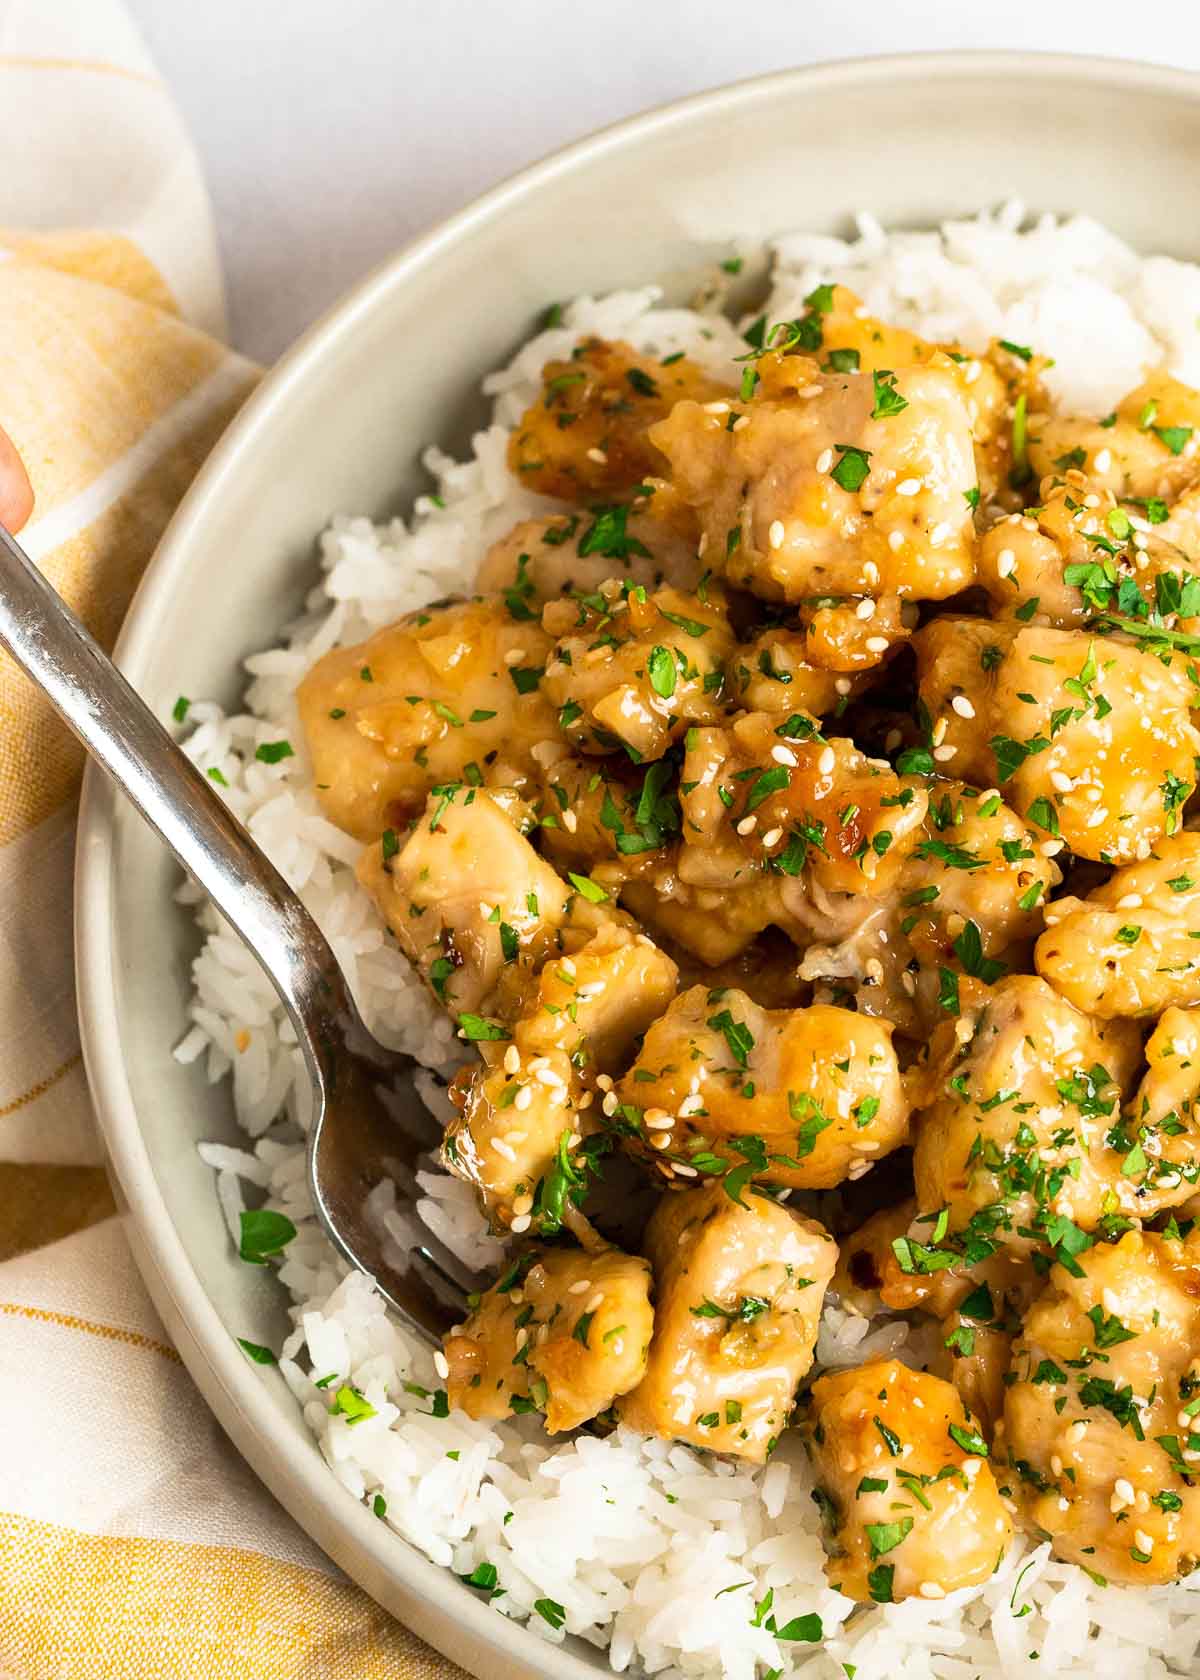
[{"x": 339, "y": 427}]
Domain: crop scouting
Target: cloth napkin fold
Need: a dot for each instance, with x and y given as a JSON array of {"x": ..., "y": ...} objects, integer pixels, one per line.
[{"x": 133, "y": 1540}]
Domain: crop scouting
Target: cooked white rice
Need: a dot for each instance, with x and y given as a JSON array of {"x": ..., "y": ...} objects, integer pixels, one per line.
[{"x": 657, "y": 1552}]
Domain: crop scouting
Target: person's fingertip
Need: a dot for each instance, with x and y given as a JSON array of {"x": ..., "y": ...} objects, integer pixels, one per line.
[{"x": 16, "y": 492}]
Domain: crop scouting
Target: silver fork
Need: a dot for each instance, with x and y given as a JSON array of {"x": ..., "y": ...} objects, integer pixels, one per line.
[{"x": 355, "y": 1138}]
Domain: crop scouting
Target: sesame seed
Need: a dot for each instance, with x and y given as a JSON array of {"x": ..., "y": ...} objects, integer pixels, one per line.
[
  {"x": 594, "y": 988},
  {"x": 747, "y": 825},
  {"x": 685, "y": 1171},
  {"x": 824, "y": 460},
  {"x": 772, "y": 837},
  {"x": 514, "y": 656},
  {"x": 1051, "y": 848},
  {"x": 776, "y": 533},
  {"x": 595, "y": 1302},
  {"x": 1006, "y": 562},
  {"x": 658, "y": 1119},
  {"x": 521, "y": 1223},
  {"x": 909, "y": 487},
  {"x": 580, "y": 1287},
  {"x": 784, "y": 755},
  {"x": 941, "y": 533},
  {"x": 441, "y": 1364},
  {"x": 962, "y": 706},
  {"x": 570, "y": 821},
  {"x": 604, "y": 1081},
  {"x": 930, "y": 1589},
  {"x": 841, "y": 685},
  {"x": 567, "y": 969},
  {"x": 895, "y": 540},
  {"x": 502, "y": 1149},
  {"x": 1130, "y": 901},
  {"x": 691, "y": 1105},
  {"x": 1143, "y": 1541},
  {"x": 877, "y": 644},
  {"x": 522, "y": 1334},
  {"x": 1060, "y": 781},
  {"x": 598, "y": 455},
  {"x": 945, "y": 753},
  {"x": 716, "y": 408},
  {"x": 939, "y": 731},
  {"x": 524, "y": 1097},
  {"x": 870, "y": 573},
  {"x": 1056, "y": 1465},
  {"x": 512, "y": 1059},
  {"x": 660, "y": 1140},
  {"x": 522, "y": 1204},
  {"x": 826, "y": 761},
  {"x": 865, "y": 608},
  {"x": 611, "y": 1103},
  {"x": 740, "y": 424},
  {"x": 1103, "y": 460}
]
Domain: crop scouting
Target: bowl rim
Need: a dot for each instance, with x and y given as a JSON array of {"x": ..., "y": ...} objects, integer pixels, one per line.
[{"x": 296, "y": 1476}]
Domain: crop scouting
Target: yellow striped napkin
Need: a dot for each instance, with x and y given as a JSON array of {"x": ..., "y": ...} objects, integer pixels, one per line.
[{"x": 133, "y": 1541}]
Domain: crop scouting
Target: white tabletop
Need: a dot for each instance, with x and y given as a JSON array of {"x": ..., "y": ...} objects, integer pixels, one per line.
[{"x": 333, "y": 130}]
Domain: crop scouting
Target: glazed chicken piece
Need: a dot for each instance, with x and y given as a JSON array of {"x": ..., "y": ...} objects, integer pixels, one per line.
[
  {"x": 1098, "y": 1426},
  {"x": 771, "y": 673},
  {"x": 891, "y": 1263},
  {"x": 838, "y": 329},
  {"x": 859, "y": 490},
  {"x": 595, "y": 1004},
  {"x": 1089, "y": 738},
  {"x": 763, "y": 795},
  {"x": 910, "y": 1501},
  {"x": 524, "y": 1114},
  {"x": 797, "y": 1097},
  {"x": 563, "y": 1331},
  {"x": 471, "y": 903},
  {"x": 541, "y": 560},
  {"x": 970, "y": 893},
  {"x": 738, "y": 1290},
  {"x": 975, "y": 1358},
  {"x": 585, "y": 437},
  {"x": 1080, "y": 554},
  {"x": 1014, "y": 1142},
  {"x": 1150, "y": 449},
  {"x": 418, "y": 705},
  {"x": 714, "y": 924},
  {"x": 606, "y": 817},
  {"x": 1128, "y": 947},
  {"x": 636, "y": 672}
]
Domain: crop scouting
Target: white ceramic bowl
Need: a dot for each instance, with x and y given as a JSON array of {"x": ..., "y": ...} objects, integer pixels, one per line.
[{"x": 338, "y": 426}]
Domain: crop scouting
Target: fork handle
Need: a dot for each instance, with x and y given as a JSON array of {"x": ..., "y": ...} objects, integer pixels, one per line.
[{"x": 124, "y": 737}]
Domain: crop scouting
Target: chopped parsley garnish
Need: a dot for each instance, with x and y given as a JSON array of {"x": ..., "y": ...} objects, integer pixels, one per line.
[
  {"x": 853, "y": 467},
  {"x": 263, "y": 1232},
  {"x": 477, "y": 1029},
  {"x": 255, "y": 1351}
]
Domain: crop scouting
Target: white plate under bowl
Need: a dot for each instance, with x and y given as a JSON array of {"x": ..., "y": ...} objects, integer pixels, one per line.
[{"x": 338, "y": 426}]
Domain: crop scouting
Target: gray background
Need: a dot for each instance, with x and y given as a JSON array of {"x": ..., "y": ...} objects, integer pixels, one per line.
[{"x": 333, "y": 130}]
